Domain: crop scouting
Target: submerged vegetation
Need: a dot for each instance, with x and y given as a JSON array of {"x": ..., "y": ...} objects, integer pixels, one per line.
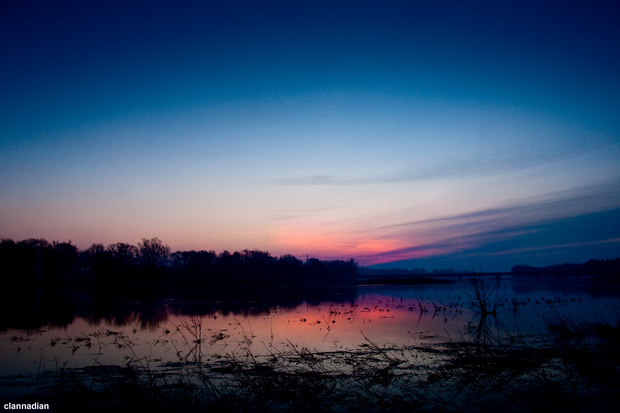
[
  {"x": 573, "y": 368},
  {"x": 483, "y": 295},
  {"x": 194, "y": 364}
]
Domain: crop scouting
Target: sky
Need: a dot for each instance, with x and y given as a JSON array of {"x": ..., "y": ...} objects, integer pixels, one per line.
[{"x": 409, "y": 134}]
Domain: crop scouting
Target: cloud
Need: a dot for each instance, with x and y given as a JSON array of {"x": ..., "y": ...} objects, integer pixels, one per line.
[
  {"x": 303, "y": 214},
  {"x": 557, "y": 246},
  {"x": 450, "y": 245},
  {"x": 593, "y": 235},
  {"x": 584, "y": 199},
  {"x": 322, "y": 180},
  {"x": 583, "y": 217},
  {"x": 455, "y": 167}
]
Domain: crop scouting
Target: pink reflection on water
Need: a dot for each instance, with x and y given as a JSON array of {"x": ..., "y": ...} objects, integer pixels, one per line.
[
  {"x": 385, "y": 316},
  {"x": 384, "y": 320}
]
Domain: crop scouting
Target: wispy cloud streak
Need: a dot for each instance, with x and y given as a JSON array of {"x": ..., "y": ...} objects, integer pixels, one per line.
[
  {"x": 555, "y": 204},
  {"x": 566, "y": 219},
  {"x": 455, "y": 167},
  {"x": 557, "y": 246}
]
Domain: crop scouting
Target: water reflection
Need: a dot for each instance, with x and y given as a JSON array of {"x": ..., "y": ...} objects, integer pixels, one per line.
[
  {"x": 45, "y": 330},
  {"x": 59, "y": 307}
]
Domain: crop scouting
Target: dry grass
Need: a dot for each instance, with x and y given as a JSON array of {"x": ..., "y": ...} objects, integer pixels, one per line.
[{"x": 573, "y": 369}]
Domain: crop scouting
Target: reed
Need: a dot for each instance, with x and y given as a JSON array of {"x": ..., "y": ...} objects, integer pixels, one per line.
[
  {"x": 483, "y": 295},
  {"x": 485, "y": 369}
]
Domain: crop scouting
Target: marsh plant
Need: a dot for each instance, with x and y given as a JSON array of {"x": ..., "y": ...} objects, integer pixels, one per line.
[
  {"x": 483, "y": 294},
  {"x": 573, "y": 368},
  {"x": 453, "y": 376}
]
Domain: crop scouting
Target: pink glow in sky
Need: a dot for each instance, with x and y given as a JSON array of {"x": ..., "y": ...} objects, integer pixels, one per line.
[{"x": 388, "y": 132}]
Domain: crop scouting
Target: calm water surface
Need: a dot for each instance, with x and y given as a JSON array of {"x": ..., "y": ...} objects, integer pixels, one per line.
[{"x": 161, "y": 332}]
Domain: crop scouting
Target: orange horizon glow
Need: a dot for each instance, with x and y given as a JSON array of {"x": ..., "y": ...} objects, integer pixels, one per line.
[{"x": 366, "y": 251}]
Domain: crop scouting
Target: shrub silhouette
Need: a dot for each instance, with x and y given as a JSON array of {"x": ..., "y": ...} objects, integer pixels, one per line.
[{"x": 150, "y": 262}]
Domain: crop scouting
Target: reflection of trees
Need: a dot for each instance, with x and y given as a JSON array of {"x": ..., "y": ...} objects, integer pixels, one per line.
[
  {"x": 39, "y": 306},
  {"x": 36, "y": 307}
]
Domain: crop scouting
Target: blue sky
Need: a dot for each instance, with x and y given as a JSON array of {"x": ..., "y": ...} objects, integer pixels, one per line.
[{"x": 402, "y": 133}]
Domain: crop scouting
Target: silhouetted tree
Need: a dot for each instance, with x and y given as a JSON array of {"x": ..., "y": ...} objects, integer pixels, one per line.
[
  {"x": 123, "y": 252},
  {"x": 29, "y": 258},
  {"x": 95, "y": 249},
  {"x": 258, "y": 265},
  {"x": 10, "y": 268},
  {"x": 194, "y": 265},
  {"x": 38, "y": 244},
  {"x": 60, "y": 261},
  {"x": 288, "y": 270},
  {"x": 315, "y": 271},
  {"x": 224, "y": 263},
  {"x": 153, "y": 251},
  {"x": 97, "y": 262},
  {"x": 38, "y": 260}
]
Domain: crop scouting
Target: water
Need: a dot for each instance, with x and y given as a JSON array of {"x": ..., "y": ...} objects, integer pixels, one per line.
[{"x": 44, "y": 331}]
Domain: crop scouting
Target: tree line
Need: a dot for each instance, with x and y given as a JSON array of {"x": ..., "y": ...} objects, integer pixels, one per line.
[
  {"x": 605, "y": 268},
  {"x": 151, "y": 261}
]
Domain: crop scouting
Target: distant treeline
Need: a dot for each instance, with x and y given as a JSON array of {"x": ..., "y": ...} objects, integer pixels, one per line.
[
  {"x": 151, "y": 262},
  {"x": 607, "y": 268}
]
